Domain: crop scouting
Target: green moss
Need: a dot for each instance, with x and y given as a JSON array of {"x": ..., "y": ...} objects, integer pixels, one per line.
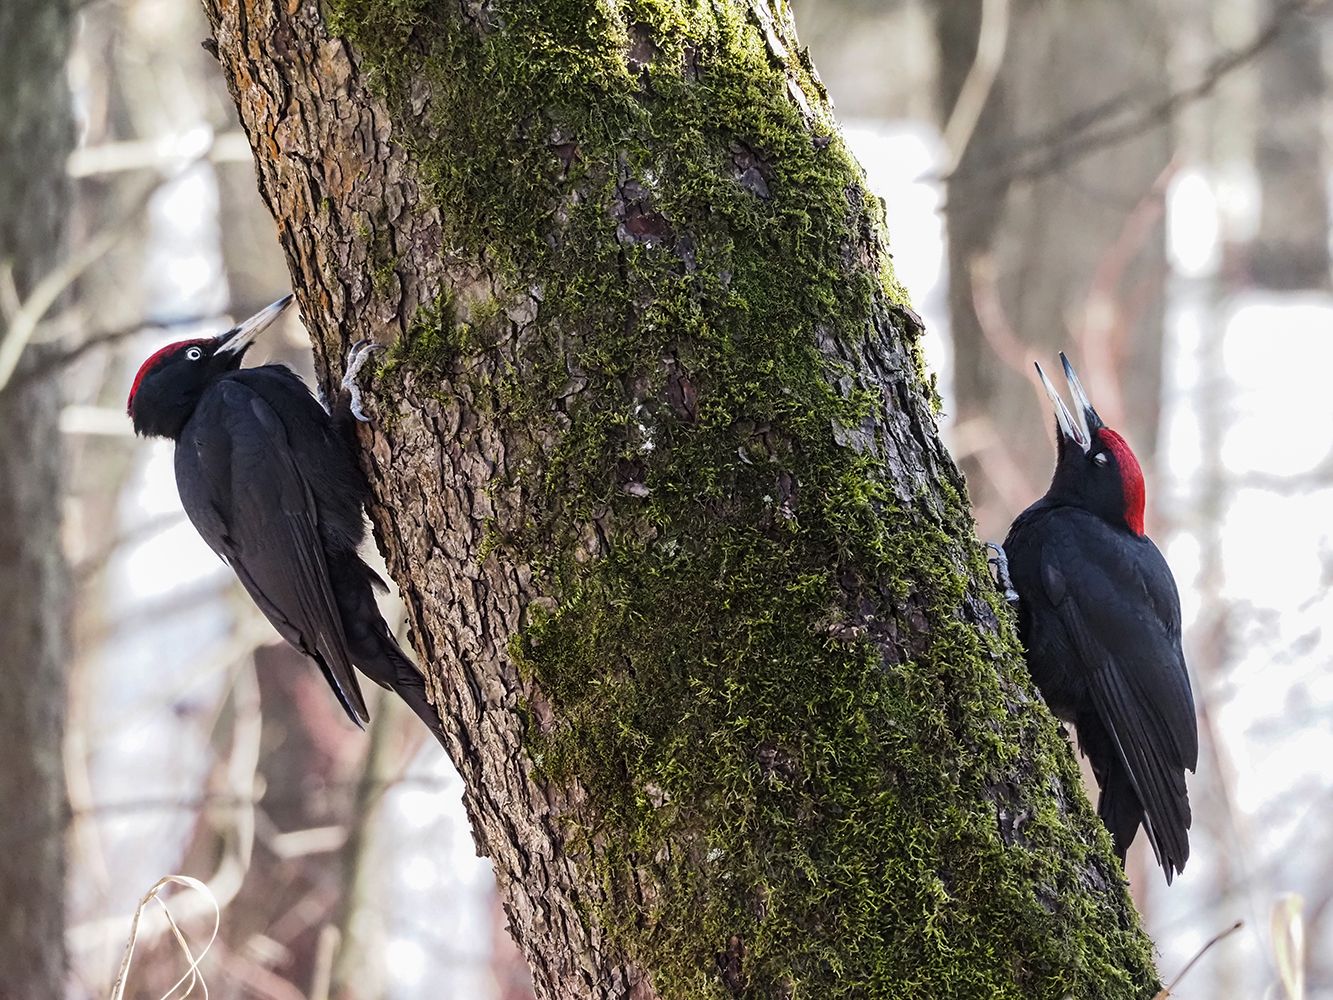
[
  {"x": 429, "y": 344},
  {"x": 442, "y": 333},
  {"x": 490, "y": 540},
  {"x": 766, "y": 680},
  {"x": 383, "y": 275}
]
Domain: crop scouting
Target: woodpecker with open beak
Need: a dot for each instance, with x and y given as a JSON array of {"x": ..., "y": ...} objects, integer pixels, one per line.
[
  {"x": 269, "y": 479},
  {"x": 1099, "y": 616}
]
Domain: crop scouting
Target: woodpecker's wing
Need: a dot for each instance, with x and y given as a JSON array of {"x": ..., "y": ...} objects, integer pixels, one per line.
[
  {"x": 245, "y": 492},
  {"x": 1117, "y": 601}
]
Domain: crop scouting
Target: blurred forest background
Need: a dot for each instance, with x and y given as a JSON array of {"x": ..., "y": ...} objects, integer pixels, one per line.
[{"x": 1143, "y": 183}]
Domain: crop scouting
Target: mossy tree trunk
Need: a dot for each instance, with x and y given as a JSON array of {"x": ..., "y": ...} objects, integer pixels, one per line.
[{"x": 655, "y": 467}]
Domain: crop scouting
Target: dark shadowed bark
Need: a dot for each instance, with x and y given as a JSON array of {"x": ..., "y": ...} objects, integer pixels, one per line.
[
  {"x": 36, "y": 134},
  {"x": 655, "y": 467}
]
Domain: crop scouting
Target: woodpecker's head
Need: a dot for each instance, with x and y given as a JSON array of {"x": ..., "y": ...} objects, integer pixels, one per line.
[
  {"x": 1094, "y": 467},
  {"x": 170, "y": 382}
]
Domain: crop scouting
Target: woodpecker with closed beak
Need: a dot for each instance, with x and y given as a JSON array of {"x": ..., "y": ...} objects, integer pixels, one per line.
[
  {"x": 1099, "y": 616},
  {"x": 270, "y": 480}
]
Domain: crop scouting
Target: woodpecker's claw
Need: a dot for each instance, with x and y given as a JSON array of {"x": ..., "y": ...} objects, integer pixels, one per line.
[
  {"x": 356, "y": 360},
  {"x": 1001, "y": 563}
]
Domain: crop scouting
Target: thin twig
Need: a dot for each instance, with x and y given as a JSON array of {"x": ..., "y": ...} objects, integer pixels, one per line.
[
  {"x": 253, "y": 978},
  {"x": 240, "y": 769},
  {"x": 1091, "y": 130},
  {"x": 154, "y": 154},
  {"x": 992, "y": 39},
  {"x": 325, "y": 950},
  {"x": 54, "y": 362},
  {"x": 358, "y": 861},
  {"x": 1165, "y": 991},
  {"x": 22, "y": 323},
  {"x": 212, "y": 800},
  {"x": 191, "y": 975},
  {"x": 1287, "y": 928}
]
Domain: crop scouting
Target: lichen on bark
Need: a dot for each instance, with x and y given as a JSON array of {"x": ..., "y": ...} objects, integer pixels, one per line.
[{"x": 656, "y": 468}]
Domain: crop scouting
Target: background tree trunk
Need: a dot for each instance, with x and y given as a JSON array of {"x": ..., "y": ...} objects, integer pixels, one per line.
[
  {"x": 36, "y": 135},
  {"x": 1052, "y": 248},
  {"x": 1290, "y": 250},
  {"x": 654, "y": 465}
]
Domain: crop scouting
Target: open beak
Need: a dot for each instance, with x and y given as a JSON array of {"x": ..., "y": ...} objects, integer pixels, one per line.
[
  {"x": 238, "y": 338},
  {"x": 1080, "y": 425}
]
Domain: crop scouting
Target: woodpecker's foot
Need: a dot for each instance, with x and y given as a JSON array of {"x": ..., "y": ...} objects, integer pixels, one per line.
[
  {"x": 1001, "y": 563},
  {"x": 356, "y": 360}
]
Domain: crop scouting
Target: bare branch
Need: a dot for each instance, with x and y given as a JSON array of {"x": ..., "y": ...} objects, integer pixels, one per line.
[
  {"x": 1093, "y": 129},
  {"x": 992, "y": 39},
  {"x": 1222, "y": 935},
  {"x": 155, "y": 154},
  {"x": 104, "y": 338},
  {"x": 22, "y": 323}
]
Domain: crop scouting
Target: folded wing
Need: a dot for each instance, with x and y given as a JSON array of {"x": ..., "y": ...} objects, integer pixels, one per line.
[
  {"x": 234, "y": 457},
  {"x": 1135, "y": 671}
]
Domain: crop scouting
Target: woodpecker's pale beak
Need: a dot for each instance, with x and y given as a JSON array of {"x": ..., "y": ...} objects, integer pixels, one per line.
[
  {"x": 1080, "y": 428},
  {"x": 238, "y": 338}
]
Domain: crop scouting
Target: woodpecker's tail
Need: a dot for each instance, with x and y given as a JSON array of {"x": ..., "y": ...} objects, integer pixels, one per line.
[
  {"x": 381, "y": 659},
  {"x": 1119, "y": 808},
  {"x": 410, "y": 685},
  {"x": 371, "y": 647}
]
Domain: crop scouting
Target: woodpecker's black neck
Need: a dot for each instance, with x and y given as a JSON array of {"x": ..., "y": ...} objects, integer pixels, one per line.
[
  {"x": 171, "y": 383},
  {"x": 164, "y": 410},
  {"x": 1106, "y": 480}
]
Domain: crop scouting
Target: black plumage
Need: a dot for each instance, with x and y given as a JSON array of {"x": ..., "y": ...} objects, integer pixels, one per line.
[
  {"x": 1099, "y": 616},
  {"x": 268, "y": 478}
]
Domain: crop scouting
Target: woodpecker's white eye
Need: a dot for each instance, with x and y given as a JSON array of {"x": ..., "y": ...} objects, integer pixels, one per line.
[
  {"x": 194, "y": 354},
  {"x": 1101, "y": 458}
]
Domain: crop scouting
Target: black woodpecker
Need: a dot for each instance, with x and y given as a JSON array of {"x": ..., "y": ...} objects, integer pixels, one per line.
[
  {"x": 1099, "y": 616},
  {"x": 268, "y": 477}
]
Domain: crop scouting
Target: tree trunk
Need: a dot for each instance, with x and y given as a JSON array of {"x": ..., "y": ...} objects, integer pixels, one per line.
[
  {"x": 1068, "y": 257},
  {"x": 655, "y": 467},
  {"x": 36, "y": 135},
  {"x": 1290, "y": 250}
]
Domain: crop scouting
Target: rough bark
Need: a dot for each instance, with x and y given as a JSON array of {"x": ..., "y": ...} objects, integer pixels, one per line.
[
  {"x": 36, "y": 134},
  {"x": 655, "y": 467},
  {"x": 1073, "y": 259},
  {"x": 32, "y": 706}
]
